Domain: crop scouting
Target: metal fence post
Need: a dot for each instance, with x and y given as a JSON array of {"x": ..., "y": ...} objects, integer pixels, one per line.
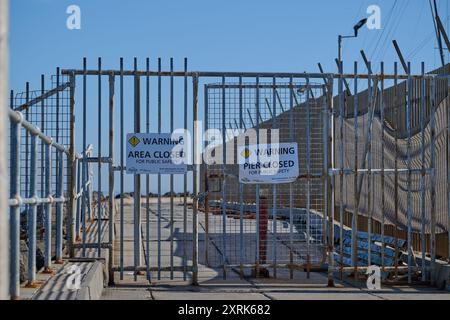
[
  {"x": 111, "y": 180},
  {"x": 72, "y": 173},
  {"x": 59, "y": 207},
  {"x": 32, "y": 213},
  {"x": 4, "y": 250},
  {"x": 329, "y": 185},
  {"x": 137, "y": 178},
  {"x": 194, "y": 187},
  {"x": 14, "y": 222},
  {"x": 48, "y": 209}
]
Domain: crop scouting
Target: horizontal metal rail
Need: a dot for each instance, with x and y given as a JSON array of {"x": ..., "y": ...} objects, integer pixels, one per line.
[
  {"x": 18, "y": 118},
  {"x": 231, "y": 74},
  {"x": 42, "y": 97},
  {"x": 31, "y": 200}
]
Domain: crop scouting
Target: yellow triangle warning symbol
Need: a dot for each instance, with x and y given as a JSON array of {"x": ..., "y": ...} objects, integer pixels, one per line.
[{"x": 134, "y": 141}]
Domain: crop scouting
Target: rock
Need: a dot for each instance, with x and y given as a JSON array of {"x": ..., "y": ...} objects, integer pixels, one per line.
[
  {"x": 40, "y": 259},
  {"x": 40, "y": 216},
  {"x": 23, "y": 261}
]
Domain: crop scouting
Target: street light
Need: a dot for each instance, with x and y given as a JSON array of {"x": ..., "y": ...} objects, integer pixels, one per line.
[{"x": 356, "y": 27}]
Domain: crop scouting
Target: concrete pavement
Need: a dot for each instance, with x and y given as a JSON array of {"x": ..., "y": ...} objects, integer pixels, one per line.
[{"x": 211, "y": 282}]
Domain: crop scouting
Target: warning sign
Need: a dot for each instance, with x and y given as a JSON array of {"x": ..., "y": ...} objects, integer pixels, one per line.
[
  {"x": 151, "y": 153},
  {"x": 268, "y": 163}
]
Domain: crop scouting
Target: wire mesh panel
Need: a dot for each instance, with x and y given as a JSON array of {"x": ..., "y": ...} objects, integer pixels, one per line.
[
  {"x": 51, "y": 114},
  {"x": 277, "y": 228}
]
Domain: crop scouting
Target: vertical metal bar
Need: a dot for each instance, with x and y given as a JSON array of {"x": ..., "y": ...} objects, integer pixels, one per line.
[
  {"x": 78, "y": 212},
  {"x": 422, "y": 175},
  {"x": 206, "y": 176},
  {"x": 59, "y": 211},
  {"x": 42, "y": 194},
  {"x": 195, "y": 184},
  {"x": 274, "y": 189},
  {"x": 84, "y": 161},
  {"x": 159, "y": 175},
  {"x": 147, "y": 177},
  {"x": 71, "y": 169},
  {"x": 48, "y": 210},
  {"x": 171, "y": 176},
  {"x": 241, "y": 192},
  {"x": 329, "y": 185},
  {"x": 396, "y": 207},
  {"x": 258, "y": 220},
  {"x": 408, "y": 161},
  {"x": 224, "y": 185},
  {"x": 355, "y": 177},
  {"x": 122, "y": 135},
  {"x": 185, "y": 89},
  {"x": 341, "y": 163},
  {"x": 383, "y": 205},
  {"x": 14, "y": 219},
  {"x": 369, "y": 164},
  {"x": 291, "y": 189},
  {"x": 32, "y": 214},
  {"x": 448, "y": 178},
  {"x": 4, "y": 249},
  {"x": 27, "y": 145},
  {"x": 111, "y": 206},
  {"x": 308, "y": 180},
  {"x": 137, "y": 177},
  {"x": 433, "y": 180},
  {"x": 99, "y": 163}
]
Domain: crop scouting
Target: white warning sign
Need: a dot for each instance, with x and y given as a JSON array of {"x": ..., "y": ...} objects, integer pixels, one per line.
[
  {"x": 268, "y": 163},
  {"x": 151, "y": 153}
]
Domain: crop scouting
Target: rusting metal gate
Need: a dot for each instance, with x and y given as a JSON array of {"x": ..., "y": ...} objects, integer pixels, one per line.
[
  {"x": 373, "y": 186},
  {"x": 292, "y": 227}
]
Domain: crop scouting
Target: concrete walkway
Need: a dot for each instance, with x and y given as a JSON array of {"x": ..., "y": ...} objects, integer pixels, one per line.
[{"x": 165, "y": 284}]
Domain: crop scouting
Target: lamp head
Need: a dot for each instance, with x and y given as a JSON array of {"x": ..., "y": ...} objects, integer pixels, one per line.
[{"x": 357, "y": 26}]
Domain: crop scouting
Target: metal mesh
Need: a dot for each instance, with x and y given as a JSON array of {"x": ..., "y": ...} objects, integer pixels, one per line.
[
  {"x": 279, "y": 225},
  {"x": 395, "y": 147},
  {"x": 52, "y": 116}
]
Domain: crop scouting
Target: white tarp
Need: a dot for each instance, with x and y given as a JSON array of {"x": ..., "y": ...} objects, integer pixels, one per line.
[
  {"x": 152, "y": 153},
  {"x": 268, "y": 163}
]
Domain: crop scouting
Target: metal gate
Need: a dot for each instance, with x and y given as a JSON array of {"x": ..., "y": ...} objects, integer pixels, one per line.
[
  {"x": 152, "y": 231},
  {"x": 373, "y": 186},
  {"x": 334, "y": 217},
  {"x": 276, "y": 230}
]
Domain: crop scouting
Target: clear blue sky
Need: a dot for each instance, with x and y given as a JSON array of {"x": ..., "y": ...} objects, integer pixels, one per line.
[{"x": 232, "y": 35}]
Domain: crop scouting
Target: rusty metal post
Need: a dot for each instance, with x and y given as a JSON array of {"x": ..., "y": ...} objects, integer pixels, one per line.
[
  {"x": 329, "y": 185},
  {"x": 137, "y": 179},
  {"x": 262, "y": 232},
  {"x": 355, "y": 178},
  {"x": 206, "y": 184},
  {"x": 433, "y": 179},
  {"x": 185, "y": 123},
  {"x": 111, "y": 208},
  {"x": 4, "y": 234},
  {"x": 195, "y": 185},
  {"x": 72, "y": 171}
]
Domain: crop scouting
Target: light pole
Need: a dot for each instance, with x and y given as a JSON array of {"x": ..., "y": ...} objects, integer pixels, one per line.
[{"x": 356, "y": 27}]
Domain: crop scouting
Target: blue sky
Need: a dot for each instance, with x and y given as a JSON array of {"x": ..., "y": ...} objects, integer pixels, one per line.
[{"x": 233, "y": 35}]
